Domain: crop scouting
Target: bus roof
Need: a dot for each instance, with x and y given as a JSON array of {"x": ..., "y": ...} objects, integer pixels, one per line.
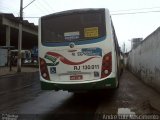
[{"x": 67, "y": 12}]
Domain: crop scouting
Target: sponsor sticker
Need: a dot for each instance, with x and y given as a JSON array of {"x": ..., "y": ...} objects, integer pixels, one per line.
[
  {"x": 92, "y": 51},
  {"x": 91, "y": 32},
  {"x": 53, "y": 59},
  {"x": 71, "y": 35}
]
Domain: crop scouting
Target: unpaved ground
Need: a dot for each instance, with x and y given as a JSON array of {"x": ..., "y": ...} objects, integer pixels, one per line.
[
  {"x": 22, "y": 95},
  {"x": 132, "y": 97}
]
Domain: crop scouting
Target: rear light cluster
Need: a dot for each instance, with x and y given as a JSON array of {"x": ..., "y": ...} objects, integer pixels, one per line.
[
  {"x": 106, "y": 65},
  {"x": 43, "y": 69}
]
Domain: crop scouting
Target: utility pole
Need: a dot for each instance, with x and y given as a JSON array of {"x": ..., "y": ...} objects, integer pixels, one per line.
[
  {"x": 124, "y": 47},
  {"x": 20, "y": 34},
  {"x": 20, "y": 37}
]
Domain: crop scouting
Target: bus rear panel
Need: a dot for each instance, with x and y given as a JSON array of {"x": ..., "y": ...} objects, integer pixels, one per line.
[{"x": 76, "y": 51}]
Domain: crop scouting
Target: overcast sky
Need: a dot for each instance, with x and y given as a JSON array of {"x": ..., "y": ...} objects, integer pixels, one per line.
[{"x": 127, "y": 26}]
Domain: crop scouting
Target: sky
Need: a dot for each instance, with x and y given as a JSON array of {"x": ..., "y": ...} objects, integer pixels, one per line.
[{"x": 144, "y": 21}]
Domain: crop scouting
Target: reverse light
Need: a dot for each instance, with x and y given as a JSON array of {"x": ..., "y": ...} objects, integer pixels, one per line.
[
  {"x": 106, "y": 71},
  {"x": 106, "y": 65},
  {"x": 43, "y": 69},
  {"x": 44, "y": 75}
]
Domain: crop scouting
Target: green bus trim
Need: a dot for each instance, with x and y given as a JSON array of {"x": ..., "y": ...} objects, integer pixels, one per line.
[{"x": 104, "y": 84}]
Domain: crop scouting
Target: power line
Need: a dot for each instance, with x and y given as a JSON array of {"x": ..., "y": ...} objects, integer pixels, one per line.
[
  {"x": 135, "y": 9},
  {"x": 49, "y": 5},
  {"x": 31, "y": 17},
  {"x": 44, "y": 7},
  {"x": 134, "y": 12},
  {"x": 28, "y": 4},
  {"x": 111, "y": 14},
  {"x": 40, "y": 8},
  {"x": 120, "y": 13}
]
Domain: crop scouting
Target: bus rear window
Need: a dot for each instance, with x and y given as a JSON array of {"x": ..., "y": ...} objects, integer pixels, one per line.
[{"x": 76, "y": 26}]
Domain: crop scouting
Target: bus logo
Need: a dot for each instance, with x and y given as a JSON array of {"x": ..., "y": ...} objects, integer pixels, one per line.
[{"x": 71, "y": 45}]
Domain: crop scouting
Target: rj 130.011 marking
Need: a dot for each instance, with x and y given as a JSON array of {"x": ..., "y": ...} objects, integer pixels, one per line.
[{"x": 86, "y": 67}]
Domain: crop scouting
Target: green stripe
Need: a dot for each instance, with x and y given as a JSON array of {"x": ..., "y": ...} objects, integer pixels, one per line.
[{"x": 80, "y": 87}]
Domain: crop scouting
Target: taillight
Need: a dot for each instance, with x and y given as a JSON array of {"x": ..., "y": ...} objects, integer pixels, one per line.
[
  {"x": 106, "y": 65},
  {"x": 43, "y": 69}
]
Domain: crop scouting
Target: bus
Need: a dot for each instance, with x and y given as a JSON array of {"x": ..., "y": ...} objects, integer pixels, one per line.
[{"x": 78, "y": 51}]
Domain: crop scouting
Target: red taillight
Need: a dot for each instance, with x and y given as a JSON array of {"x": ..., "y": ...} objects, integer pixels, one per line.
[
  {"x": 43, "y": 69},
  {"x": 106, "y": 65}
]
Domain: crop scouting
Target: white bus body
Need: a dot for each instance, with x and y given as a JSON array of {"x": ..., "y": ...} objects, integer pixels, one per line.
[{"x": 78, "y": 58}]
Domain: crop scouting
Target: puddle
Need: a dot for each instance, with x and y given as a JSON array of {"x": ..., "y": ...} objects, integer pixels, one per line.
[{"x": 125, "y": 111}]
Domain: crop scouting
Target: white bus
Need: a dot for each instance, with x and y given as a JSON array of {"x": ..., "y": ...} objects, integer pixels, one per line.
[{"x": 78, "y": 51}]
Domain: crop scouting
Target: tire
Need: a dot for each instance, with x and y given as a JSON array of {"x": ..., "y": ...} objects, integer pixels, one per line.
[{"x": 117, "y": 78}]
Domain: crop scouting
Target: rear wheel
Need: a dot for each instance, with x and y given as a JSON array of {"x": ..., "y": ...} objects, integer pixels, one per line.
[
  {"x": 117, "y": 78},
  {"x": 117, "y": 82}
]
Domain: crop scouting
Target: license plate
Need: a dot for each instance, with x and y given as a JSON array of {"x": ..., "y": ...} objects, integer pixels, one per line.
[{"x": 76, "y": 77}]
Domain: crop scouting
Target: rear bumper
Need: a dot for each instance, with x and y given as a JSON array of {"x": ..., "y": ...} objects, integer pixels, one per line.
[{"x": 104, "y": 84}]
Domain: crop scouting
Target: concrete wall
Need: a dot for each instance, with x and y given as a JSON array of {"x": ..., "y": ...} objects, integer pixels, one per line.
[
  {"x": 3, "y": 57},
  {"x": 144, "y": 60}
]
